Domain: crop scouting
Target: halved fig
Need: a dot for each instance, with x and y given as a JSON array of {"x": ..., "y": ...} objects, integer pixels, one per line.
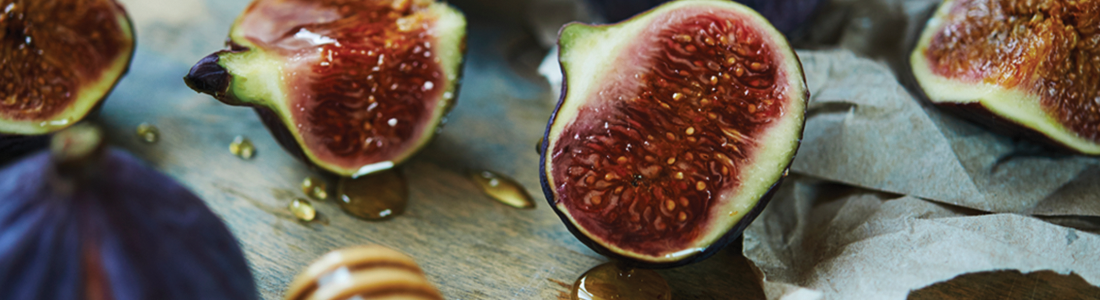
[
  {"x": 1026, "y": 67},
  {"x": 672, "y": 131},
  {"x": 58, "y": 61},
  {"x": 354, "y": 87}
]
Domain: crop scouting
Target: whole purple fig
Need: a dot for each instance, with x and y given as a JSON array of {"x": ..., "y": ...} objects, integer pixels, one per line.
[
  {"x": 82, "y": 221},
  {"x": 785, "y": 15}
]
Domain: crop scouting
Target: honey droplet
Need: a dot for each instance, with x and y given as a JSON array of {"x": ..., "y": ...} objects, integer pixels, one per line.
[
  {"x": 242, "y": 147},
  {"x": 610, "y": 281},
  {"x": 148, "y": 133},
  {"x": 377, "y": 196},
  {"x": 302, "y": 209},
  {"x": 503, "y": 189},
  {"x": 538, "y": 146},
  {"x": 315, "y": 188}
]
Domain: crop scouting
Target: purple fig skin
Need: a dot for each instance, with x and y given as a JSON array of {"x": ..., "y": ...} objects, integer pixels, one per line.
[
  {"x": 207, "y": 76},
  {"x": 126, "y": 231},
  {"x": 785, "y": 15},
  {"x": 14, "y": 146}
]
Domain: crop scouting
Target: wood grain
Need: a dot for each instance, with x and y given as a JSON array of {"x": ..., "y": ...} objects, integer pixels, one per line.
[{"x": 468, "y": 245}]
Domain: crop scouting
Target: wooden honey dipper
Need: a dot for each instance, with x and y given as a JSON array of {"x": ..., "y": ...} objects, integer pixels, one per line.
[{"x": 362, "y": 272}]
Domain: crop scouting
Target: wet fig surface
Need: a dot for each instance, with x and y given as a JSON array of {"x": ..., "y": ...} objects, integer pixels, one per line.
[
  {"x": 1023, "y": 67},
  {"x": 58, "y": 61},
  {"x": 353, "y": 87},
  {"x": 84, "y": 221},
  {"x": 673, "y": 128},
  {"x": 785, "y": 15}
]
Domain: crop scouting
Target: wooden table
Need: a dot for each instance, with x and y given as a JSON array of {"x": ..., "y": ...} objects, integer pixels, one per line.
[{"x": 469, "y": 245}]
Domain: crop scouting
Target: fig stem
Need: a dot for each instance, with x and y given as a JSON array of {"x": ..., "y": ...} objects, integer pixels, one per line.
[
  {"x": 75, "y": 147},
  {"x": 208, "y": 77}
]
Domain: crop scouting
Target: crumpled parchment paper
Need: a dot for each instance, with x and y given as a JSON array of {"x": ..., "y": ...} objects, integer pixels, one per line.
[
  {"x": 863, "y": 128},
  {"x": 901, "y": 139},
  {"x": 818, "y": 240}
]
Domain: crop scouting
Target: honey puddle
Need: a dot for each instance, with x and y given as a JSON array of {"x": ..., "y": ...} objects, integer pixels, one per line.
[
  {"x": 610, "y": 281},
  {"x": 376, "y": 196},
  {"x": 501, "y": 188}
]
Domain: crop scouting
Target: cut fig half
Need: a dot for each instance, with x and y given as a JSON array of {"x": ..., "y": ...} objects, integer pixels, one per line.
[
  {"x": 58, "y": 61},
  {"x": 1024, "y": 67},
  {"x": 673, "y": 129},
  {"x": 353, "y": 87}
]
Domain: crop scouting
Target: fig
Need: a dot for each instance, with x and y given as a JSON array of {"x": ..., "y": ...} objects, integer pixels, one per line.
[
  {"x": 673, "y": 129},
  {"x": 785, "y": 15},
  {"x": 58, "y": 60},
  {"x": 362, "y": 272},
  {"x": 1027, "y": 68},
  {"x": 83, "y": 221},
  {"x": 353, "y": 87}
]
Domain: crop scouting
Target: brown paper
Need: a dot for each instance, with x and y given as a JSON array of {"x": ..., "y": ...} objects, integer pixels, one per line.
[
  {"x": 863, "y": 128},
  {"x": 825, "y": 241}
]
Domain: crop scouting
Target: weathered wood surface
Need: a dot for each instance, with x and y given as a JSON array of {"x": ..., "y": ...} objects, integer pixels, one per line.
[{"x": 470, "y": 246}]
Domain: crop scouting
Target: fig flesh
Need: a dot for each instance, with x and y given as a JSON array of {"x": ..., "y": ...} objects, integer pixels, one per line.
[
  {"x": 1029, "y": 68},
  {"x": 785, "y": 15},
  {"x": 58, "y": 61},
  {"x": 672, "y": 131},
  {"x": 82, "y": 221},
  {"x": 353, "y": 87}
]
